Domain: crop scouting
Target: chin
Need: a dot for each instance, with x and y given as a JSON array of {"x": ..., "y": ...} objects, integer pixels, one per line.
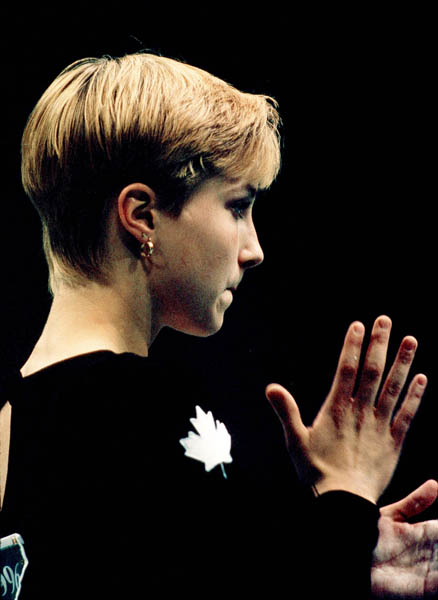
[
  {"x": 202, "y": 332},
  {"x": 201, "y": 328}
]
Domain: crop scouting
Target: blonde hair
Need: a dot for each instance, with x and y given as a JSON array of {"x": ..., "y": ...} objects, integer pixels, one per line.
[{"x": 107, "y": 122}]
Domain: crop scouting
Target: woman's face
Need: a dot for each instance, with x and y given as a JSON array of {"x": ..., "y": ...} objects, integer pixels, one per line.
[{"x": 202, "y": 256}]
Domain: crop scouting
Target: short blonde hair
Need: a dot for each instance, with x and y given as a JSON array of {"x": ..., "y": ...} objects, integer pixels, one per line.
[{"x": 107, "y": 122}]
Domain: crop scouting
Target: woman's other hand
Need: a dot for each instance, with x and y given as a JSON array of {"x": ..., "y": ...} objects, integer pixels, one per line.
[
  {"x": 355, "y": 442},
  {"x": 405, "y": 560}
]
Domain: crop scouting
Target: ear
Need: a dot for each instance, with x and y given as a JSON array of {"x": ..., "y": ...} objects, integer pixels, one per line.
[{"x": 136, "y": 205}]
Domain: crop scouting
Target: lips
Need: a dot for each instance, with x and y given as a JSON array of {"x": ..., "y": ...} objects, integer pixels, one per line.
[{"x": 233, "y": 288}]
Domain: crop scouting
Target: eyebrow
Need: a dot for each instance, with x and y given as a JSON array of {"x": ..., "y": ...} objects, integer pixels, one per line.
[{"x": 251, "y": 191}]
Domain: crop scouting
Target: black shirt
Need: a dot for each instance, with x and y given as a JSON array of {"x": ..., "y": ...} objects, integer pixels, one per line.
[{"x": 109, "y": 506}]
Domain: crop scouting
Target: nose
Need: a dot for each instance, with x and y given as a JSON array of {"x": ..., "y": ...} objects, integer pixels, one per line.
[{"x": 251, "y": 253}]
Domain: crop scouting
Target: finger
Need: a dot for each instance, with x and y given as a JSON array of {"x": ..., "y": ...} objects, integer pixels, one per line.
[
  {"x": 403, "y": 418},
  {"x": 346, "y": 372},
  {"x": 413, "y": 504},
  {"x": 374, "y": 364},
  {"x": 284, "y": 405},
  {"x": 396, "y": 378}
]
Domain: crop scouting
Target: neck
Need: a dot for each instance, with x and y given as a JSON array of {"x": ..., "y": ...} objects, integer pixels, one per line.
[{"x": 94, "y": 317}]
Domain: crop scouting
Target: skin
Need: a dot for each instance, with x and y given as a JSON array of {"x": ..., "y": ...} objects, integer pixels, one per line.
[
  {"x": 199, "y": 259},
  {"x": 354, "y": 443},
  {"x": 405, "y": 561},
  {"x": 186, "y": 284},
  {"x": 203, "y": 255}
]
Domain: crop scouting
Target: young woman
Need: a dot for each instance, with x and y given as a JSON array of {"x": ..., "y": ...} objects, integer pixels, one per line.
[{"x": 144, "y": 171}]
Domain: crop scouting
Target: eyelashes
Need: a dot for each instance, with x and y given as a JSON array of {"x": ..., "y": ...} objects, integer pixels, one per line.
[{"x": 240, "y": 208}]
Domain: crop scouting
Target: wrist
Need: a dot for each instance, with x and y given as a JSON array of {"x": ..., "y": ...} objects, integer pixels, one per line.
[{"x": 328, "y": 484}]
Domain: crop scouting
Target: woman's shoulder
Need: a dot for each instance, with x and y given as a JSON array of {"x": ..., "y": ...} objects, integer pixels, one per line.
[
  {"x": 90, "y": 364},
  {"x": 104, "y": 385},
  {"x": 102, "y": 368}
]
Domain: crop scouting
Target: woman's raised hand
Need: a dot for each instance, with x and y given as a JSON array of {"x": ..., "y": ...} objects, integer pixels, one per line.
[{"x": 355, "y": 442}]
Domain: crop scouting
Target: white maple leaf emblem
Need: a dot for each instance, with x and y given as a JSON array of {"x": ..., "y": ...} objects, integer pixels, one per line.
[{"x": 213, "y": 444}]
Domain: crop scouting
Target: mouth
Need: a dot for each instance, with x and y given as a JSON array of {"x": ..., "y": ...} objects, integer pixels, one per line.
[{"x": 233, "y": 288}]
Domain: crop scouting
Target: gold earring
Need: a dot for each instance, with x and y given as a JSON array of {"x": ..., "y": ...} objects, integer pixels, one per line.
[{"x": 147, "y": 247}]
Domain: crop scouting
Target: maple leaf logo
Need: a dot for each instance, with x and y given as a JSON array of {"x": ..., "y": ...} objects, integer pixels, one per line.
[{"x": 213, "y": 444}]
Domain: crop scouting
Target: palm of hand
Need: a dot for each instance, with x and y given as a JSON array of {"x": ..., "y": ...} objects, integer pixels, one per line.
[{"x": 405, "y": 561}]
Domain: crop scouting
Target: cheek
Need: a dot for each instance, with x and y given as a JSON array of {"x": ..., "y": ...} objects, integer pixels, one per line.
[
  {"x": 206, "y": 254},
  {"x": 213, "y": 251}
]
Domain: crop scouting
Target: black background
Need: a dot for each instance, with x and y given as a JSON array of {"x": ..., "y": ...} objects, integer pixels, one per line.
[{"x": 348, "y": 229}]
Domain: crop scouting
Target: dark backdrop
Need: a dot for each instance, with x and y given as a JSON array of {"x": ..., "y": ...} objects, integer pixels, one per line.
[{"x": 348, "y": 229}]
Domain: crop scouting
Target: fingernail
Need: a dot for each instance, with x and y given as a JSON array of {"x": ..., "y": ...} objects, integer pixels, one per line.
[
  {"x": 384, "y": 322},
  {"x": 358, "y": 328},
  {"x": 422, "y": 380},
  {"x": 410, "y": 343}
]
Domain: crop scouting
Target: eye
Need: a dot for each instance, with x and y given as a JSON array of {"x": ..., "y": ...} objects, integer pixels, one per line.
[{"x": 239, "y": 208}]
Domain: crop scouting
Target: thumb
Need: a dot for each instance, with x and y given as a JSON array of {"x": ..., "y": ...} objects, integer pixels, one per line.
[
  {"x": 414, "y": 504},
  {"x": 289, "y": 414}
]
